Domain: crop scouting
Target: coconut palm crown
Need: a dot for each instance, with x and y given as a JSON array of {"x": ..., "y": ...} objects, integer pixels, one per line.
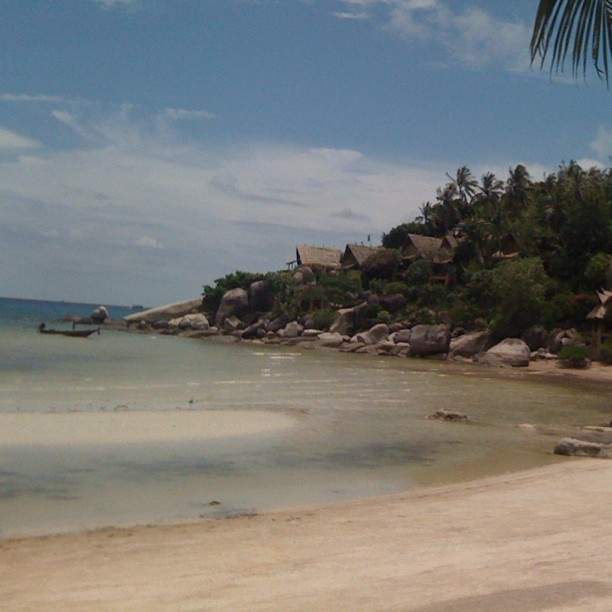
[{"x": 575, "y": 30}]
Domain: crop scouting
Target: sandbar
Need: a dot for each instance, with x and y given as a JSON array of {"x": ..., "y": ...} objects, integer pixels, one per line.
[
  {"x": 534, "y": 540},
  {"x": 98, "y": 428}
]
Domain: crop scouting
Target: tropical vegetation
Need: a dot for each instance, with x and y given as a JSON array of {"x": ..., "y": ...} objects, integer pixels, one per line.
[{"x": 529, "y": 252}]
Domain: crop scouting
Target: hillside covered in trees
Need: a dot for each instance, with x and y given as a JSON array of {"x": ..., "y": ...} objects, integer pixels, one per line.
[{"x": 511, "y": 253}]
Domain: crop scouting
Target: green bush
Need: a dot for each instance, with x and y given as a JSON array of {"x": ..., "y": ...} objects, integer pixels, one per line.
[
  {"x": 323, "y": 318},
  {"x": 578, "y": 357},
  {"x": 418, "y": 273}
]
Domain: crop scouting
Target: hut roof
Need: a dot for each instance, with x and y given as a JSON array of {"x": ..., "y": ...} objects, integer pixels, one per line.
[
  {"x": 416, "y": 246},
  {"x": 356, "y": 254},
  {"x": 317, "y": 256},
  {"x": 599, "y": 312}
]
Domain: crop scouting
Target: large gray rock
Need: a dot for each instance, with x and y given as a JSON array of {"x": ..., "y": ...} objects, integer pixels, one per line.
[
  {"x": 344, "y": 323},
  {"x": 536, "y": 337},
  {"x": 234, "y": 303},
  {"x": 331, "y": 340},
  {"x": 470, "y": 344},
  {"x": 303, "y": 276},
  {"x": 509, "y": 352},
  {"x": 374, "y": 335},
  {"x": 402, "y": 336},
  {"x": 292, "y": 330},
  {"x": 196, "y": 321},
  {"x": 429, "y": 339},
  {"x": 99, "y": 315},
  {"x": 582, "y": 448},
  {"x": 563, "y": 337},
  {"x": 167, "y": 312},
  {"x": 261, "y": 296}
]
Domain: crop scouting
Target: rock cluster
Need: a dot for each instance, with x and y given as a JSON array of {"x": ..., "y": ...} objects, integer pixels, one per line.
[{"x": 241, "y": 315}]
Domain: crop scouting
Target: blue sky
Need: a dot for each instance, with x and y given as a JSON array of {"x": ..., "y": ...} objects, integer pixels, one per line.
[{"x": 148, "y": 147}]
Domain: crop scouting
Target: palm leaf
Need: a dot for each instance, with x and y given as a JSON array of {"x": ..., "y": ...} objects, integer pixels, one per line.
[{"x": 580, "y": 29}]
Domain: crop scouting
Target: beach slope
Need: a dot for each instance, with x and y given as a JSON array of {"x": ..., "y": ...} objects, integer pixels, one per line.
[{"x": 526, "y": 541}]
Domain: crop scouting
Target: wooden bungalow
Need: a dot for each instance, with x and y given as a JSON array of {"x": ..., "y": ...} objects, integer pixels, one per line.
[
  {"x": 355, "y": 254},
  {"x": 439, "y": 251},
  {"x": 599, "y": 314},
  {"x": 322, "y": 257}
]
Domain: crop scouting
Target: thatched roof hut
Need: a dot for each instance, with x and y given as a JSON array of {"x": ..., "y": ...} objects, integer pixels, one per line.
[
  {"x": 420, "y": 247},
  {"x": 355, "y": 254},
  {"x": 317, "y": 256}
]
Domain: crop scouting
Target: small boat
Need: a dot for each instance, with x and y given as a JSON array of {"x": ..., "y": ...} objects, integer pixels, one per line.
[{"x": 73, "y": 333}]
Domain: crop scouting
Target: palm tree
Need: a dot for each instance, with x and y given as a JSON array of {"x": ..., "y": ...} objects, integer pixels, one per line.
[{"x": 579, "y": 28}]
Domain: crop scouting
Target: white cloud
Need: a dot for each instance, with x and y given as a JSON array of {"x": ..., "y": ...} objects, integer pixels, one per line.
[
  {"x": 150, "y": 206},
  {"x": 602, "y": 143},
  {"x": 108, "y": 4},
  {"x": 10, "y": 97},
  {"x": 180, "y": 114},
  {"x": 148, "y": 242},
  {"x": 11, "y": 140},
  {"x": 469, "y": 35}
]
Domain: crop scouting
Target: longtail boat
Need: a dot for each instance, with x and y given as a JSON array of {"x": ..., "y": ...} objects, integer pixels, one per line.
[{"x": 73, "y": 333}]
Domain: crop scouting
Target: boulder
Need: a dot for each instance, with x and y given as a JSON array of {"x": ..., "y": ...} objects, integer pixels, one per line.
[
  {"x": 536, "y": 337},
  {"x": 429, "y": 339},
  {"x": 196, "y": 321},
  {"x": 470, "y": 344},
  {"x": 99, "y": 315},
  {"x": 344, "y": 323},
  {"x": 392, "y": 303},
  {"x": 167, "y": 312},
  {"x": 303, "y": 276},
  {"x": 374, "y": 335},
  {"x": 402, "y": 336},
  {"x": 261, "y": 296},
  {"x": 448, "y": 415},
  {"x": 255, "y": 330},
  {"x": 582, "y": 448},
  {"x": 292, "y": 330},
  {"x": 563, "y": 337},
  {"x": 232, "y": 324},
  {"x": 509, "y": 352},
  {"x": 275, "y": 325},
  {"x": 331, "y": 340},
  {"x": 234, "y": 302}
]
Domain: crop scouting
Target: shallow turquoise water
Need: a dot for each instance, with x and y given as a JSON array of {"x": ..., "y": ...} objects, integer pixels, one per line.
[{"x": 360, "y": 427}]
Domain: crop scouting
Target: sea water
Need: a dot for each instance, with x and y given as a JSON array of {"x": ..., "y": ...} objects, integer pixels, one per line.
[{"x": 358, "y": 424}]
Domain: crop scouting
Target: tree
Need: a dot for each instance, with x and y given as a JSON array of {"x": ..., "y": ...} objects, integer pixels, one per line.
[{"x": 580, "y": 28}]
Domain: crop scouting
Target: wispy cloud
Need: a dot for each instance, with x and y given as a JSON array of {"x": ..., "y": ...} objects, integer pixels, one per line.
[
  {"x": 135, "y": 192},
  {"x": 11, "y": 141},
  {"x": 602, "y": 143},
  {"x": 182, "y": 114},
  {"x": 109, "y": 4},
  {"x": 469, "y": 35},
  {"x": 47, "y": 99}
]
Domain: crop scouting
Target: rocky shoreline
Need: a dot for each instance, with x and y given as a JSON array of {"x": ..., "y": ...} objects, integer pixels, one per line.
[{"x": 236, "y": 320}]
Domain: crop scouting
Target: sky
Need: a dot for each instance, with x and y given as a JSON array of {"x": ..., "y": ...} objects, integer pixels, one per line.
[{"x": 149, "y": 147}]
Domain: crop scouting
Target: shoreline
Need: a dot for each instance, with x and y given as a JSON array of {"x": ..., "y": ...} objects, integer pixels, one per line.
[{"x": 527, "y": 540}]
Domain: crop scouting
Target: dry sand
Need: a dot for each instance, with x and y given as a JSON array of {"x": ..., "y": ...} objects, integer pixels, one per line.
[{"x": 536, "y": 540}]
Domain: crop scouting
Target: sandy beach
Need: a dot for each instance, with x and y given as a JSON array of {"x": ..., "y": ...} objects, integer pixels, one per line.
[
  {"x": 532, "y": 540},
  {"x": 526, "y": 541}
]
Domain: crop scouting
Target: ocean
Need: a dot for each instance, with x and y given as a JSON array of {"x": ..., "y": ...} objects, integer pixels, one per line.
[{"x": 123, "y": 428}]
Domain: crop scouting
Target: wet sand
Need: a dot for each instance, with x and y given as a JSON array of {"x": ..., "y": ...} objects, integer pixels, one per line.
[
  {"x": 99, "y": 428},
  {"x": 533, "y": 540}
]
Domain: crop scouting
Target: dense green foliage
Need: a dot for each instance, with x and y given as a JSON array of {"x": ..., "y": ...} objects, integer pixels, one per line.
[{"x": 529, "y": 252}]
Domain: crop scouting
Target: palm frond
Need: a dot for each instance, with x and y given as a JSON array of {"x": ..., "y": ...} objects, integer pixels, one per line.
[{"x": 580, "y": 29}]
